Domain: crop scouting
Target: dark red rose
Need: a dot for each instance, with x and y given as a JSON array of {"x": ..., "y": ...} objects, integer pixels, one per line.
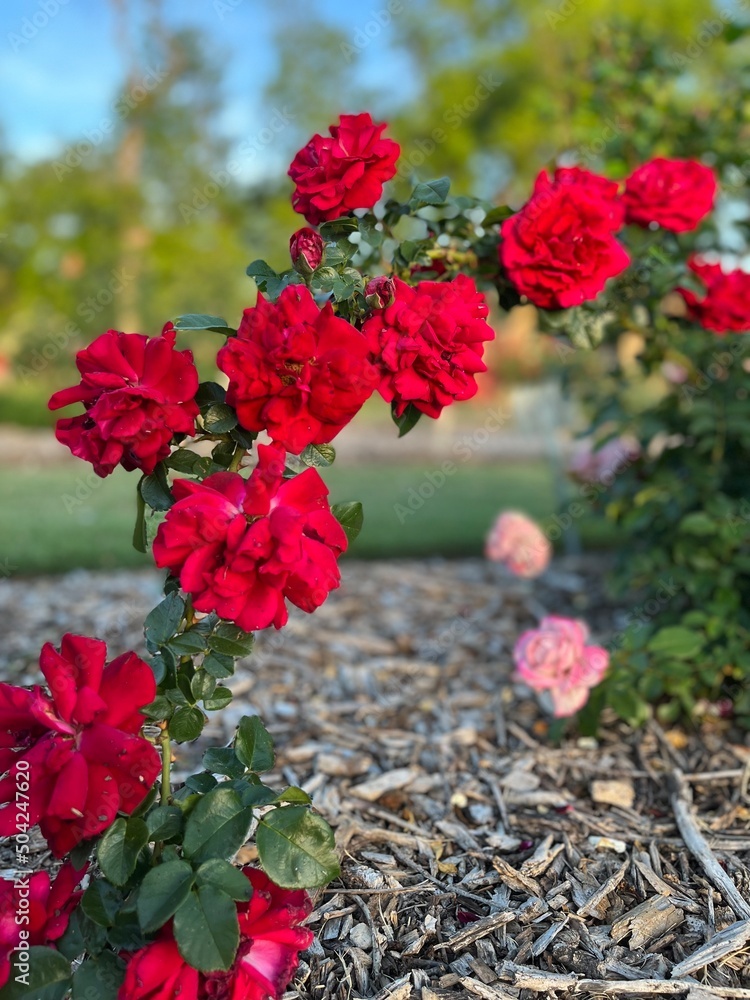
[
  {"x": 270, "y": 942},
  {"x": 243, "y": 547},
  {"x": 295, "y": 370},
  {"x": 137, "y": 392},
  {"x": 44, "y": 907},
  {"x": 559, "y": 249},
  {"x": 725, "y": 308},
  {"x": 675, "y": 194},
  {"x": 159, "y": 972},
  {"x": 428, "y": 343},
  {"x": 336, "y": 174},
  {"x": 380, "y": 292},
  {"x": 307, "y": 250},
  {"x": 79, "y": 744}
]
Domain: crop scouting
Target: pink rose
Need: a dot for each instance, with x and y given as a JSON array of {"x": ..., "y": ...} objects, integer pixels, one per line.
[
  {"x": 590, "y": 464},
  {"x": 519, "y": 543},
  {"x": 555, "y": 658}
]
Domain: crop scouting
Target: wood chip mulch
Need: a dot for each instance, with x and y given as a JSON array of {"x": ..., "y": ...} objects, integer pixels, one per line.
[{"x": 478, "y": 860}]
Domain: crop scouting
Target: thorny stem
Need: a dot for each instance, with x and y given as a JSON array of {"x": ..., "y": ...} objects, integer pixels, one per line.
[
  {"x": 237, "y": 459},
  {"x": 166, "y": 764}
]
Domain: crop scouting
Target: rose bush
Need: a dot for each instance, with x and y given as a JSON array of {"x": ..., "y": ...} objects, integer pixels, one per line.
[{"x": 245, "y": 529}]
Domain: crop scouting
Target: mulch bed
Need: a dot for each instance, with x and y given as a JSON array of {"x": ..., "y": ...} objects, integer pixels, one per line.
[{"x": 478, "y": 860}]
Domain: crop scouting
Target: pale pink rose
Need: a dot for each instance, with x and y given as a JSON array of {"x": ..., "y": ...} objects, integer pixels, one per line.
[
  {"x": 554, "y": 657},
  {"x": 519, "y": 543},
  {"x": 590, "y": 464},
  {"x": 674, "y": 372}
]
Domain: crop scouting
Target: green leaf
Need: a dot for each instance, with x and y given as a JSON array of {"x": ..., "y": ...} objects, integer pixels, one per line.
[
  {"x": 159, "y": 708},
  {"x": 46, "y": 975},
  {"x": 139, "y": 529},
  {"x": 223, "y": 760},
  {"x": 318, "y": 455},
  {"x": 253, "y": 745},
  {"x": 698, "y": 523},
  {"x": 231, "y": 640},
  {"x": 183, "y": 460},
  {"x": 206, "y": 929},
  {"x": 164, "y": 822},
  {"x": 218, "y": 700},
  {"x": 217, "y": 827},
  {"x": 296, "y": 848},
  {"x": 430, "y": 193},
  {"x": 295, "y": 795},
  {"x": 202, "y": 685},
  {"x": 126, "y": 933},
  {"x": 261, "y": 272},
  {"x": 81, "y": 935},
  {"x": 498, "y": 214},
  {"x": 200, "y": 321},
  {"x": 118, "y": 850},
  {"x": 99, "y": 978},
  {"x": 407, "y": 420},
  {"x": 224, "y": 876},
  {"x": 210, "y": 392},
  {"x": 187, "y": 724},
  {"x": 338, "y": 229},
  {"x": 155, "y": 494},
  {"x": 162, "y": 891},
  {"x": 162, "y": 623},
  {"x": 188, "y": 643},
  {"x": 218, "y": 418},
  {"x": 677, "y": 642},
  {"x": 219, "y": 665},
  {"x": 350, "y": 516},
  {"x": 100, "y": 902}
]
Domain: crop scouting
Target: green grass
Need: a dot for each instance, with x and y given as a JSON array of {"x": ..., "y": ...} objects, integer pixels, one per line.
[{"x": 66, "y": 517}]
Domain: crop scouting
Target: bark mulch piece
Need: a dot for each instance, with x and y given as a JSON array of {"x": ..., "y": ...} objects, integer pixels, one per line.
[{"x": 478, "y": 860}]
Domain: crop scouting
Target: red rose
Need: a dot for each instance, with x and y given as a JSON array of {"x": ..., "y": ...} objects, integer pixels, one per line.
[
  {"x": 267, "y": 957},
  {"x": 243, "y": 547},
  {"x": 336, "y": 174},
  {"x": 270, "y": 943},
  {"x": 428, "y": 343},
  {"x": 295, "y": 370},
  {"x": 559, "y": 250},
  {"x": 47, "y": 905},
  {"x": 79, "y": 745},
  {"x": 307, "y": 250},
  {"x": 726, "y": 305},
  {"x": 137, "y": 392},
  {"x": 380, "y": 292},
  {"x": 159, "y": 972},
  {"x": 676, "y": 194}
]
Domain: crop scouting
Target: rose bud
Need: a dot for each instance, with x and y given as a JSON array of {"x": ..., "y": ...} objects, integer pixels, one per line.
[
  {"x": 307, "y": 249},
  {"x": 380, "y": 292}
]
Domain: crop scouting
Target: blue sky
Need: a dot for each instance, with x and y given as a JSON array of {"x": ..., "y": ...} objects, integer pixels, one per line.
[{"x": 61, "y": 68}]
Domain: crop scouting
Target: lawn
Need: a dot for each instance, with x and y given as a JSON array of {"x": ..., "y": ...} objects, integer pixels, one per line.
[{"x": 63, "y": 517}]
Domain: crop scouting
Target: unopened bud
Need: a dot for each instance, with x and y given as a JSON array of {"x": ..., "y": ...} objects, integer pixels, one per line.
[
  {"x": 380, "y": 292},
  {"x": 307, "y": 250}
]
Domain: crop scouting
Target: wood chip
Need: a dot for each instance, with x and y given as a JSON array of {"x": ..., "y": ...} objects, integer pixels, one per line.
[
  {"x": 390, "y": 781},
  {"x": 649, "y": 920},
  {"x": 613, "y": 793}
]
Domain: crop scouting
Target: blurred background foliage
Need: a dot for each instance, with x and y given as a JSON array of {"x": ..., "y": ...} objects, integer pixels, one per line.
[{"x": 154, "y": 219}]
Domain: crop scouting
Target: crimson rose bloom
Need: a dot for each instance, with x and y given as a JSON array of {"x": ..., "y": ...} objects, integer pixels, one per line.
[
  {"x": 559, "y": 249},
  {"x": 676, "y": 194},
  {"x": 159, "y": 972},
  {"x": 46, "y": 904},
  {"x": 79, "y": 745},
  {"x": 295, "y": 370},
  {"x": 336, "y": 174},
  {"x": 270, "y": 943},
  {"x": 137, "y": 392},
  {"x": 726, "y": 305},
  {"x": 428, "y": 343},
  {"x": 242, "y": 547},
  {"x": 267, "y": 957}
]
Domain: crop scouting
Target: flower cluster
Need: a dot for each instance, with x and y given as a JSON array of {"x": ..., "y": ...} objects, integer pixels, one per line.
[
  {"x": 519, "y": 543},
  {"x": 725, "y": 307},
  {"x": 560, "y": 249}
]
